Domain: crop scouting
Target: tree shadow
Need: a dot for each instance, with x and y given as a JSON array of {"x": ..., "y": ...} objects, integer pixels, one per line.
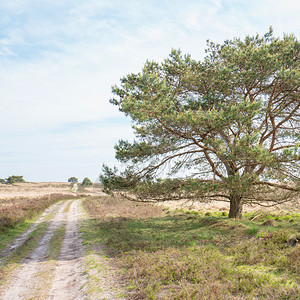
[{"x": 152, "y": 234}]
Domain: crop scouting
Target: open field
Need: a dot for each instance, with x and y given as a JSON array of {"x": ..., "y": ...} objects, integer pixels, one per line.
[
  {"x": 184, "y": 254},
  {"x": 41, "y": 189},
  {"x": 33, "y": 189},
  {"x": 86, "y": 245},
  {"x": 293, "y": 206}
]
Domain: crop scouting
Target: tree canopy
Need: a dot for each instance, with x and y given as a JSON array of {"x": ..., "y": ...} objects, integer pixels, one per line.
[
  {"x": 73, "y": 180},
  {"x": 87, "y": 182},
  {"x": 14, "y": 179},
  {"x": 229, "y": 123}
]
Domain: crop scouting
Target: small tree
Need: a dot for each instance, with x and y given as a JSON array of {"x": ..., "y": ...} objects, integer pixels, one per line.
[
  {"x": 86, "y": 182},
  {"x": 14, "y": 179},
  {"x": 73, "y": 180},
  {"x": 3, "y": 181},
  {"x": 230, "y": 122}
]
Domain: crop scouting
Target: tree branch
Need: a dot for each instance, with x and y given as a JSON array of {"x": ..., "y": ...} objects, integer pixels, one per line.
[{"x": 278, "y": 185}]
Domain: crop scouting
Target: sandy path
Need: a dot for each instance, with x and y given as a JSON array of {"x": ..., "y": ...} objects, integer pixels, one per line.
[
  {"x": 26, "y": 283},
  {"x": 68, "y": 280}
]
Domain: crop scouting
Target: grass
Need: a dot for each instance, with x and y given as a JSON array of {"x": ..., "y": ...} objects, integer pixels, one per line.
[
  {"x": 12, "y": 233},
  {"x": 190, "y": 255},
  {"x": 16, "y": 256},
  {"x": 102, "y": 276}
]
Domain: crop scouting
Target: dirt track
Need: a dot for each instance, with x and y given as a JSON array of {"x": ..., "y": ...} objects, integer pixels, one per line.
[
  {"x": 68, "y": 279},
  {"x": 37, "y": 277}
]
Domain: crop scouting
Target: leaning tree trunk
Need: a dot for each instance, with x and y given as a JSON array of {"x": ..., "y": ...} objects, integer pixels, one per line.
[{"x": 236, "y": 206}]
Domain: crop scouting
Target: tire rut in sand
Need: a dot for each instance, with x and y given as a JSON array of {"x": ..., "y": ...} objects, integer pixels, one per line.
[
  {"x": 68, "y": 279},
  {"x": 25, "y": 281}
]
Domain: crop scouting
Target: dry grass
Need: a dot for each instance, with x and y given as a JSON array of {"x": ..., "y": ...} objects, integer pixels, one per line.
[
  {"x": 33, "y": 189},
  {"x": 21, "y": 201},
  {"x": 115, "y": 207},
  {"x": 16, "y": 210},
  {"x": 224, "y": 206}
]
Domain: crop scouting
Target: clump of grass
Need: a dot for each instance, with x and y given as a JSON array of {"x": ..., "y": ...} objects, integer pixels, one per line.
[
  {"x": 268, "y": 223},
  {"x": 189, "y": 255},
  {"x": 253, "y": 230}
]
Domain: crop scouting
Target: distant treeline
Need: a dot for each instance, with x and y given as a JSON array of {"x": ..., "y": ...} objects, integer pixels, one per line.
[{"x": 12, "y": 179}]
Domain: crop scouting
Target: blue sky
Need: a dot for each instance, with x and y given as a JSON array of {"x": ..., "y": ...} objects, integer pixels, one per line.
[{"x": 59, "y": 59}]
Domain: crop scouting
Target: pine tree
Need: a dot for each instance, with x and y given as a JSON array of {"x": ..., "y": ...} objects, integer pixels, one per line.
[{"x": 230, "y": 122}]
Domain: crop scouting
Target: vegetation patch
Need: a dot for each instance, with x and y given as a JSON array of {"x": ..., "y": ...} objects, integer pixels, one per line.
[
  {"x": 19, "y": 209},
  {"x": 188, "y": 255},
  {"x": 100, "y": 270},
  {"x": 16, "y": 256},
  {"x": 12, "y": 233},
  {"x": 46, "y": 272}
]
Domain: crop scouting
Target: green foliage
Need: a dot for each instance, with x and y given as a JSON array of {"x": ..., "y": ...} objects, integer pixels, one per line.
[
  {"x": 73, "y": 180},
  {"x": 230, "y": 122},
  {"x": 3, "y": 181},
  {"x": 86, "y": 182},
  {"x": 253, "y": 230},
  {"x": 14, "y": 179}
]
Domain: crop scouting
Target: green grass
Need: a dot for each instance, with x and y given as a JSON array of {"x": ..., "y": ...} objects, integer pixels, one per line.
[
  {"x": 46, "y": 274},
  {"x": 10, "y": 234},
  {"x": 55, "y": 243},
  {"x": 190, "y": 255},
  {"x": 98, "y": 266},
  {"x": 17, "y": 222},
  {"x": 16, "y": 256}
]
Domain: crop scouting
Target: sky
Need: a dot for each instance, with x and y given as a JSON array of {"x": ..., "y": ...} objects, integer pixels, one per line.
[{"x": 60, "y": 58}]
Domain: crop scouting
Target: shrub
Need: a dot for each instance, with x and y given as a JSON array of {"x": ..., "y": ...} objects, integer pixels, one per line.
[{"x": 86, "y": 182}]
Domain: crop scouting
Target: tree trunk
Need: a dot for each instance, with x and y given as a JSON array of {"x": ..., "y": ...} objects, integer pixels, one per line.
[{"x": 236, "y": 206}]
